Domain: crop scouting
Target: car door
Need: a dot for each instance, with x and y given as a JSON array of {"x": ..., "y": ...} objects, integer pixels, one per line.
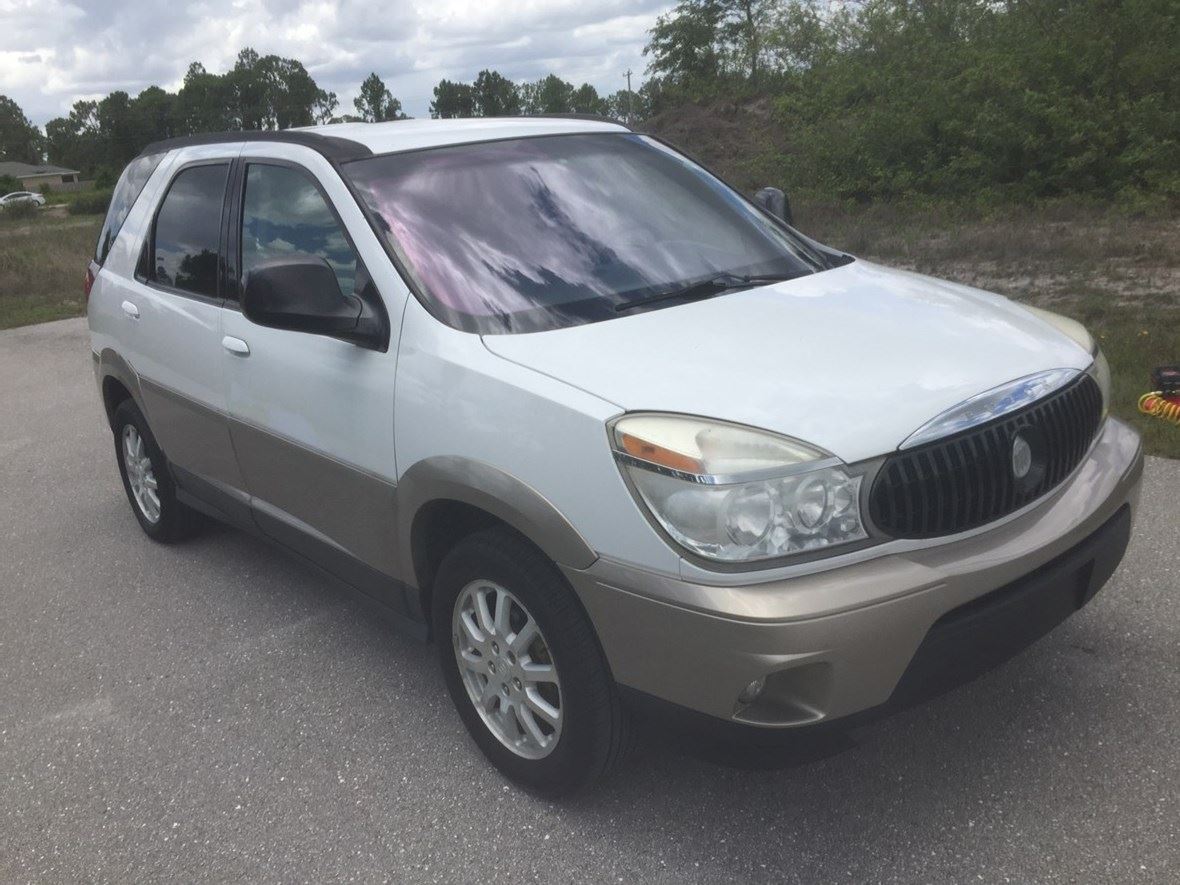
[
  {"x": 172, "y": 311},
  {"x": 311, "y": 417}
]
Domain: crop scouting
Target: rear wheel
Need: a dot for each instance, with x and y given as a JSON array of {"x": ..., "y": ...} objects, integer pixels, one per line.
[
  {"x": 146, "y": 479},
  {"x": 523, "y": 665}
]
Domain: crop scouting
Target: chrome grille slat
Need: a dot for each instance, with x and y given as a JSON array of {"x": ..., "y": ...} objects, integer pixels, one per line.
[{"x": 965, "y": 481}]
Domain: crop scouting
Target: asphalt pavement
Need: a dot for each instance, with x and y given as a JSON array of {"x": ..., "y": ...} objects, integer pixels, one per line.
[{"x": 212, "y": 712}]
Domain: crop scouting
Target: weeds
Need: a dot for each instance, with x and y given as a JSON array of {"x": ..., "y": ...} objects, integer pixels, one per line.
[{"x": 42, "y": 263}]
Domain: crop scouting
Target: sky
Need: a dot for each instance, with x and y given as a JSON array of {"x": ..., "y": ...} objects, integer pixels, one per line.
[{"x": 54, "y": 52}]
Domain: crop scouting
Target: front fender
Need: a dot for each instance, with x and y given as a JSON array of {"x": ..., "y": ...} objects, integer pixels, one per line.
[{"x": 479, "y": 484}]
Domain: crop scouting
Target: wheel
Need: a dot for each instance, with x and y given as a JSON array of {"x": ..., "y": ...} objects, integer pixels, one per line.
[
  {"x": 523, "y": 665},
  {"x": 146, "y": 479}
]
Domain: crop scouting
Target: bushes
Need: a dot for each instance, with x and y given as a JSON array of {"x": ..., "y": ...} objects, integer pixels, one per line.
[
  {"x": 90, "y": 202},
  {"x": 18, "y": 212},
  {"x": 1033, "y": 99},
  {"x": 105, "y": 178},
  {"x": 1020, "y": 100}
]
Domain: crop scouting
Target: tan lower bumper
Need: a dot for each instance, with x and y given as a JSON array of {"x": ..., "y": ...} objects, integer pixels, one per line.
[{"x": 835, "y": 642}]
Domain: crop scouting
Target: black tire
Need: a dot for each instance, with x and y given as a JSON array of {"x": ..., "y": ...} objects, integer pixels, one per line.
[
  {"x": 595, "y": 726},
  {"x": 176, "y": 520}
]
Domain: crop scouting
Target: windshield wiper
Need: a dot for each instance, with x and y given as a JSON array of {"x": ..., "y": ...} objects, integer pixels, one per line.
[{"x": 715, "y": 285}]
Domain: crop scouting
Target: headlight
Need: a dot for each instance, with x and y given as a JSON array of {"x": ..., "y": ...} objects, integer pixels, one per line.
[
  {"x": 1063, "y": 324},
  {"x": 734, "y": 494},
  {"x": 1100, "y": 369}
]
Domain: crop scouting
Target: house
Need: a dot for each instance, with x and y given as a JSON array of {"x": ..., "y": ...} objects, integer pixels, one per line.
[{"x": 33, "y": 177}]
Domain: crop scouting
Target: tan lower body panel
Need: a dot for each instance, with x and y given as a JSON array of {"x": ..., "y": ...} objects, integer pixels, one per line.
[
  {"x": 350, "y": 507},
  {"x": 194, "y": 437},
  {"x": 840, "y": 639}
]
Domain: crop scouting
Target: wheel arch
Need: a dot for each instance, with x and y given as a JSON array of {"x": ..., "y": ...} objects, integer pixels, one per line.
[
  {"x": 117, "y": 382},
  {"x": 443, "y": 499}
]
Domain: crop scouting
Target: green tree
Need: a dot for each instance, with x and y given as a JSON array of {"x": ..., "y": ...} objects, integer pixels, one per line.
[
  {"x": 324, "y": 106},
  {"x": 627, "y": 106},
  {"x": 152, "y": 115},
  {"x": 20, "y": 140},
  {"x": 550, "y": 95},
  {"x": 206, "y": 102},
  {"x": 586, "y": 100},
  {"x": 375, "y": 104},
  {"x": 452, "y": 100},
  {"x": 247, "y": 81},
  {"x": 495, "y": 95},
  {"x": 683, "y": 43},
  {"x": 118, "y": 140},
  {"x": 742, "y": 29},
  {"x": 72, "y": 141},
  {"x": 292, "y": 94}
]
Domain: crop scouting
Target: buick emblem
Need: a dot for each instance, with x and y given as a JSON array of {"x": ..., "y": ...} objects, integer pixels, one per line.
[{"x": 1021, "y": 457}]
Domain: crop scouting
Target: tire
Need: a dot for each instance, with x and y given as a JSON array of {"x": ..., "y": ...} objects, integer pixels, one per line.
[
  {"x": 593, "y": 724},
  {"x": 174, "y": 521}
]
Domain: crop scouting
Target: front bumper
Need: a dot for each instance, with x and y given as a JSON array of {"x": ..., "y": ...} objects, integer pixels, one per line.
[{"x": 885, "y": 630}]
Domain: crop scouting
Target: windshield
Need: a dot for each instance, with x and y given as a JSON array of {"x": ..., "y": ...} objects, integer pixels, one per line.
[{"x": 538, "y": 233}]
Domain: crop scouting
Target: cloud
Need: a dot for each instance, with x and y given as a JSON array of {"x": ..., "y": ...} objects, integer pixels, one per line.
[{"x": 54, "y": 52}]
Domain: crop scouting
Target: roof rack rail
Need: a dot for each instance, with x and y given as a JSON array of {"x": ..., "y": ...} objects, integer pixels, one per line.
[
  {"x": 594, "y": 118},
  {"x": 332, "y": 147}
]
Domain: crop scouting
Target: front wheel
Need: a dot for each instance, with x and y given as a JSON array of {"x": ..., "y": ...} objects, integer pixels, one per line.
[{"x": 523, "y": 665}]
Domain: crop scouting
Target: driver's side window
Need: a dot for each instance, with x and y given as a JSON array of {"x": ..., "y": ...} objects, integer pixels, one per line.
[{"x": 284, "y": 213}]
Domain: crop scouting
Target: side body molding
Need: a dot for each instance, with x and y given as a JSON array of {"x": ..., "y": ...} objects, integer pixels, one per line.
[{"x": 467, "y": 481}]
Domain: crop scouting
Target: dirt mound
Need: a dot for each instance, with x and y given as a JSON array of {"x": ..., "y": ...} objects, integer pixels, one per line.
[{"x": 739, "y": 140}]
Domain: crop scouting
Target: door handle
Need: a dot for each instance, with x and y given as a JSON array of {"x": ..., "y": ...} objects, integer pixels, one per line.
[
  {"x": 235, "y": 345},
  {"x": 131, "y": 310}
]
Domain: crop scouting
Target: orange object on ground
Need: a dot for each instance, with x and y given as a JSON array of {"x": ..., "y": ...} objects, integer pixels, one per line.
[{"x": 1159, "y": 406}]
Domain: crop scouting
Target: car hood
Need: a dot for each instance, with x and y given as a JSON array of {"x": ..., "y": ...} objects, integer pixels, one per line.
[{"x": 852, "y": 360}]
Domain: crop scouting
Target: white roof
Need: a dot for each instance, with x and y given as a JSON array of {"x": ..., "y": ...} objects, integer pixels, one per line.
[{"x": 403, "y": 135}]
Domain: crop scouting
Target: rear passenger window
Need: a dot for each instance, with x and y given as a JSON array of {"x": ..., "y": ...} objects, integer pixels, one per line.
[
  {"x": 188, "y": 231},
  {"x": 285, "y": 214}
]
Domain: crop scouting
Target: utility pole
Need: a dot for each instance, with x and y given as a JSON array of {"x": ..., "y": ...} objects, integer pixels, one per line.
[{"x": 629, "y": 120}]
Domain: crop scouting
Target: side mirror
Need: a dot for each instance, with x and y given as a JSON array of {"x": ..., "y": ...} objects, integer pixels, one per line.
[
  {"x": 775, "y": 202},
  {"x": 300, "y": 293}
]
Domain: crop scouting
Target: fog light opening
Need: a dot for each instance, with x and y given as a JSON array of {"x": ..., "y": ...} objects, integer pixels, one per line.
[{"x": 750, "y": 692}]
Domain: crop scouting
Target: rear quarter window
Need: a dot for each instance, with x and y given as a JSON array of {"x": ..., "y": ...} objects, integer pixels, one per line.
[{"x": 127, "y": 191}]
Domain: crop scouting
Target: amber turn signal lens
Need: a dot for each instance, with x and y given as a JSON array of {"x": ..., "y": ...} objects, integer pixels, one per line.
[{"x": 647, "y": 451}]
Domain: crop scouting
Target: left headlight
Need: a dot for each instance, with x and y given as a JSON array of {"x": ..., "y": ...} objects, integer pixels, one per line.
[{"x": 735, "y": 494}]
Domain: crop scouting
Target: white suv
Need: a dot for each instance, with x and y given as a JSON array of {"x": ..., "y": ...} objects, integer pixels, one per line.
[{"x": 617, "y": 437}]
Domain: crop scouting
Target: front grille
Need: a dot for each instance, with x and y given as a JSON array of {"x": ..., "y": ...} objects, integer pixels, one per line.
[{"x": 967, "y": 480}]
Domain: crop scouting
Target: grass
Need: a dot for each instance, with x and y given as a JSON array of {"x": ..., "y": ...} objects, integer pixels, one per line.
[
  {"x": 1118, "y": 274},
  {"x": 42, "y": 265}
]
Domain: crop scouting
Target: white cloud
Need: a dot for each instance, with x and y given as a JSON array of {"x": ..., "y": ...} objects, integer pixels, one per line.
[{"x": 54, "y": 52}]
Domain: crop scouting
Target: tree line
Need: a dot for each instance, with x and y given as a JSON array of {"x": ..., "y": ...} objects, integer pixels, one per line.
[
  {"x": 99, "y": 137},
  {"x": 870, "y": 99},
  {"x": 881, "y": 99}
]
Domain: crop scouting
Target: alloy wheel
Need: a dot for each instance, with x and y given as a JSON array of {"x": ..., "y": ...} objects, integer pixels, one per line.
[
  {"x": 140, "y": 474},
  {"x": 508, "y": 671}
]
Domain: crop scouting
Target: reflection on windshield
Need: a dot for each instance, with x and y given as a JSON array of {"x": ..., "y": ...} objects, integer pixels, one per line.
[{"x": 538, "y": 233}]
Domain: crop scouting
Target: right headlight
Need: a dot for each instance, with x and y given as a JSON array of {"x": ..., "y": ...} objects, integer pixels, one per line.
[
  {"x": 736, "y": 494},
  {"x": 1100, "y": 369}
]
